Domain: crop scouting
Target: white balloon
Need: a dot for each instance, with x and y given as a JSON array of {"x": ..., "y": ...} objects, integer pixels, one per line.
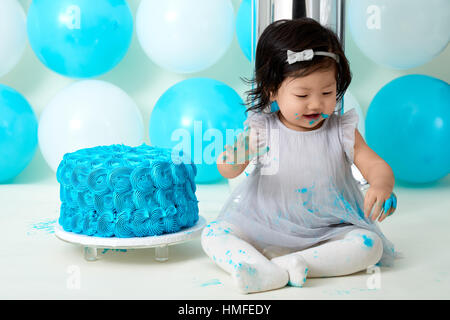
[
  {"x": 13, "y": 34},
  {"x": 400, "y": 34},
  {"x": 185, "y": 36},
  {"x": 87, "y": 114}
]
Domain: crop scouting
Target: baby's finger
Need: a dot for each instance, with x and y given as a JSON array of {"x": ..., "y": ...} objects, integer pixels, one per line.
[
  {"x": 391, "y": 211},
  {"x": 377, "y": 210},
  {"x": 382, "y": 216},
  {"x": 385, "y": 215},
  {"x": 387, "y": 205},
  {"x": 368, "y": 204},
  {"x": 394, "y": 200},
  {"x": 239, "y": 139},
  {"x": 385, "y": 209},
  {"x": 228, "y": 156},
  {"x": 229, "y": 151}
]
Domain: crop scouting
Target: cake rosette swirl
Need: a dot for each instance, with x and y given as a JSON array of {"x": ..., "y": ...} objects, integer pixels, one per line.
[
  {"x": 182, "y": 211},
  {"x": 182, "y": 216},
  {"x": 141, "y": 199},
  {"x": 179, "y": 173},
  {"x": 191, "y": 171},
  {"x": 123, "y": 201},
  {"x": 103, "y": 203},
  {"x": 169, "y": 219},
  {"x": 64, "y": 172},
  {"x": 97, "y": 162},
  {"x": 90, "y": 221},
  {"x": 77, "y": 221},
  {"x": 141, "y": 179},
  {"x": 79, "y": 177},
  {"x": 161, "y": 176},
  {"x": 70, "y": 195},
  {"x": 62, "y": 194},
  {"x": 164, "y": 198},
  {"x": 170, "y": 224},
  {"x": 141, "y": 222},
  {"x": 97, "y": 181},
  {"x": 112, "y": 163},
  {"x": 136, "y": 161},
  {"x": 66, "y": 215},
  {"x": 82, "y": 161},
  {"x": 105, "y": 224},
  {"x": 156, "y": 225},
  {"x": 123, "y": 227},
  {"x": 193, "y": 216},
  {"x": 189, "y": 191},
  {"x": 169, "y": 211},
  {"x": 119, "y": 179},
  {"x": 86, "y": 200},
  {"x": 179, "y": 194}
]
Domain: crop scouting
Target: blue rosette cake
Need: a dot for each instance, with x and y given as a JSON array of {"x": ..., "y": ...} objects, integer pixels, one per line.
[{"x": 122, "y": 191}]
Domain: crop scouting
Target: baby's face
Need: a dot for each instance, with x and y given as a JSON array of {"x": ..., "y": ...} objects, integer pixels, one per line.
[{"x": 313, "y": 95}]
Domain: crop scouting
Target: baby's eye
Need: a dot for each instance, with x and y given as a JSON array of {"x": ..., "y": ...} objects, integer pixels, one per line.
[
  {"x": 326, "y": 92},
  {"x": 301, "y": 96}
]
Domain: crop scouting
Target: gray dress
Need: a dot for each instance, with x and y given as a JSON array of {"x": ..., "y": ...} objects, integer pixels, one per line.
[{"x": 302, "y": 191}]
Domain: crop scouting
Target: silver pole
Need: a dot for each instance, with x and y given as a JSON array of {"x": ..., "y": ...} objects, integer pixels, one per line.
[
  {"x": 340, "y": 22},
  {"x": 330, "y": 13}
]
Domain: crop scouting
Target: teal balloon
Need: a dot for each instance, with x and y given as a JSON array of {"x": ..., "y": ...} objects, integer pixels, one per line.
[
  {"x": 400, "y": 34},
  {"x": 80, "y": 38},
  {"x": 408, "y": 125},
  {"x": 197, "y": 117},
  {"x": 245, "y": 16},
  {"x": 18, "y": 133},
  {"x": 244, "y": 28}
]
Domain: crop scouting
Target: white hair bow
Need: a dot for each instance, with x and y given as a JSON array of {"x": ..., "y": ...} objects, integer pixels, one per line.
[{"x": 307, "y": 55}]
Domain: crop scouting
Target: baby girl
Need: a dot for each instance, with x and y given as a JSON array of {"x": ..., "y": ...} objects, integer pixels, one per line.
[{"x": 300, "y": 213}]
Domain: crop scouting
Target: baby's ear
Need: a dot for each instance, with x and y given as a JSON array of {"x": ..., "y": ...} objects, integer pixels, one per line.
[{"x": 272, "y": 96}]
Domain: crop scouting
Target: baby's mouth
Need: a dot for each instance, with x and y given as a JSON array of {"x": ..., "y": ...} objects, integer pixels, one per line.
[{"x": 313, "y": 116}]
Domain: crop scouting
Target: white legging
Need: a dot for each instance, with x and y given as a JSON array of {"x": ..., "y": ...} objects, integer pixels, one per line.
[{"x": 256, "y": 270}]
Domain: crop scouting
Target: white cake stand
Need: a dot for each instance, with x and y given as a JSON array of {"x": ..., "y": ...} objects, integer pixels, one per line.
[{"x": 160, "y": 243}]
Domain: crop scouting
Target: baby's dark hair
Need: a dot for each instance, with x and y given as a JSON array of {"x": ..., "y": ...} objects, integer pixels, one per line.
[{"x": 296, "y": 35}]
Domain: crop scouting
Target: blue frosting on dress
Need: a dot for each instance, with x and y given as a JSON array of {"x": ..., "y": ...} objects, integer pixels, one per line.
[{"x": 122, "y": 191}]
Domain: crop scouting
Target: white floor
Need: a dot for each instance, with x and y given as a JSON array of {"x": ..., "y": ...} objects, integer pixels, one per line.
[{"x": 36, "y": 265}]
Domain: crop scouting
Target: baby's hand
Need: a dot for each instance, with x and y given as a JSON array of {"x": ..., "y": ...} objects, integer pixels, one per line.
[
  {"x": 383, "y": 202},
  {"x": 245, "y": 148}
]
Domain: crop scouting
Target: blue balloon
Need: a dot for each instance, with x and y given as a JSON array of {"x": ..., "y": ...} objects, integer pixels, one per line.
[
  {"x": 18, "y": 133},
  {"x": 80, "y": 38},
  {"x": 408, "y": 125},
  {"x": 198, "y": 116},
  {"x": 244, "y": 28}
]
